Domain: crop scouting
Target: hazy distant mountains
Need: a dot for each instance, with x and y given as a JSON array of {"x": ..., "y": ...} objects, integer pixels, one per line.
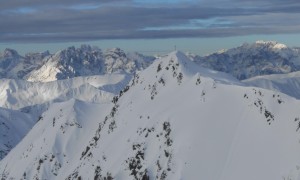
[
  {"x": 249, "y": 60},
  {"x": 245, "y": 61},
  {"x": 69, "y": 63}
]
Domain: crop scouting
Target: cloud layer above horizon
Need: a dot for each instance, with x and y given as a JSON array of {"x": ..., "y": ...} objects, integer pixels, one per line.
[{"x": 83, "y": 20}]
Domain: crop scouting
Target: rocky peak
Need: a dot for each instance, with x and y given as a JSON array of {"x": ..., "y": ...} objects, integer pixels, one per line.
[
  {"x": 115, "y": 53},
  {"x": 10, "y": 53}
]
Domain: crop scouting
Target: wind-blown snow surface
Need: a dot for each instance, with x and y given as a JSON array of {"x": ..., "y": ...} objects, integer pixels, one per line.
[
  {"x": 285, "y": 83},
  {"x": 174, "y": 121}
]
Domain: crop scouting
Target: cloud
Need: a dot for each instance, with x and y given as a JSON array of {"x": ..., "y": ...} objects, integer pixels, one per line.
[{"x": 73, "y": 20}]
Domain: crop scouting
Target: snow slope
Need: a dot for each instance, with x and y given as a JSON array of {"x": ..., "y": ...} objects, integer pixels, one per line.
[
  {"x": 14, "y": 125},
  {"x": 249, "y": 60},
  {"x": 173, "y": 121},
  {"x": 285, "y": 83}
]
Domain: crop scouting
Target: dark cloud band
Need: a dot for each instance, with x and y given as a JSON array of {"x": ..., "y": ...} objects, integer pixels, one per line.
[{"x": 46, "y": 21}]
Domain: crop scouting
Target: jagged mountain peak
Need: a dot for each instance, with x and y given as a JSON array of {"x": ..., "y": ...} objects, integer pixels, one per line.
[
  {"x": 8, "y": 52},
  {"x": 86, "y": 61},
  {"x": 70, "y": 62}
]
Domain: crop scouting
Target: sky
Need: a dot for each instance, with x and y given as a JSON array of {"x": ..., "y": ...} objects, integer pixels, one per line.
[{"x": 147, "y": 26}]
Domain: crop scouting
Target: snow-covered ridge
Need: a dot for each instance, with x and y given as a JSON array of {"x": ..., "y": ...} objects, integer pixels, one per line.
[
  {"x": 285, "y": 83},
  {"x": 250, "y": 60},
  {"x": 173, "y": 121},
  {"x": 16, "y": 94}
]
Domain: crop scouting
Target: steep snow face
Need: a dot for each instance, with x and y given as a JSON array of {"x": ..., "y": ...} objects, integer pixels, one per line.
[
  {"x": 14, "y": 125},
  {"x": 14, "y": 66},
  {"x": 249, "y": 60},
  {"x": 173, "y": 121},
  {"x": 285, "y": 83},
  {"x": 16, "y": 94},
  {"x": 85, "y": 61}
]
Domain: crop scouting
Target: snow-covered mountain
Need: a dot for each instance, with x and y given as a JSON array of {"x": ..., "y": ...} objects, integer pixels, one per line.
[
  {"x": 87, "y": 61},
  {"x": 14, "y": 125},
  {"x": 249, "y": 60},
  {"x": 68, "y": 63},
  {"x": 173, "y": 121},
  {"x": 285, "y": 83},
  {"x": 14, "y": 66}
]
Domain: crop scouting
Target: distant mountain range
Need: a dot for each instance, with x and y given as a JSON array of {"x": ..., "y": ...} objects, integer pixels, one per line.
[
  {"x": 69, "y": 63},
  {"x": 249, "y": 60},
  {"x": 243, "y": 62}
]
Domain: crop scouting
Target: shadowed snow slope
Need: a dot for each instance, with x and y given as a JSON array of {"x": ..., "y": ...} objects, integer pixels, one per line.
[
  {"x": 14, "y": 126},
  {"x": 174, "y": 121}
]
